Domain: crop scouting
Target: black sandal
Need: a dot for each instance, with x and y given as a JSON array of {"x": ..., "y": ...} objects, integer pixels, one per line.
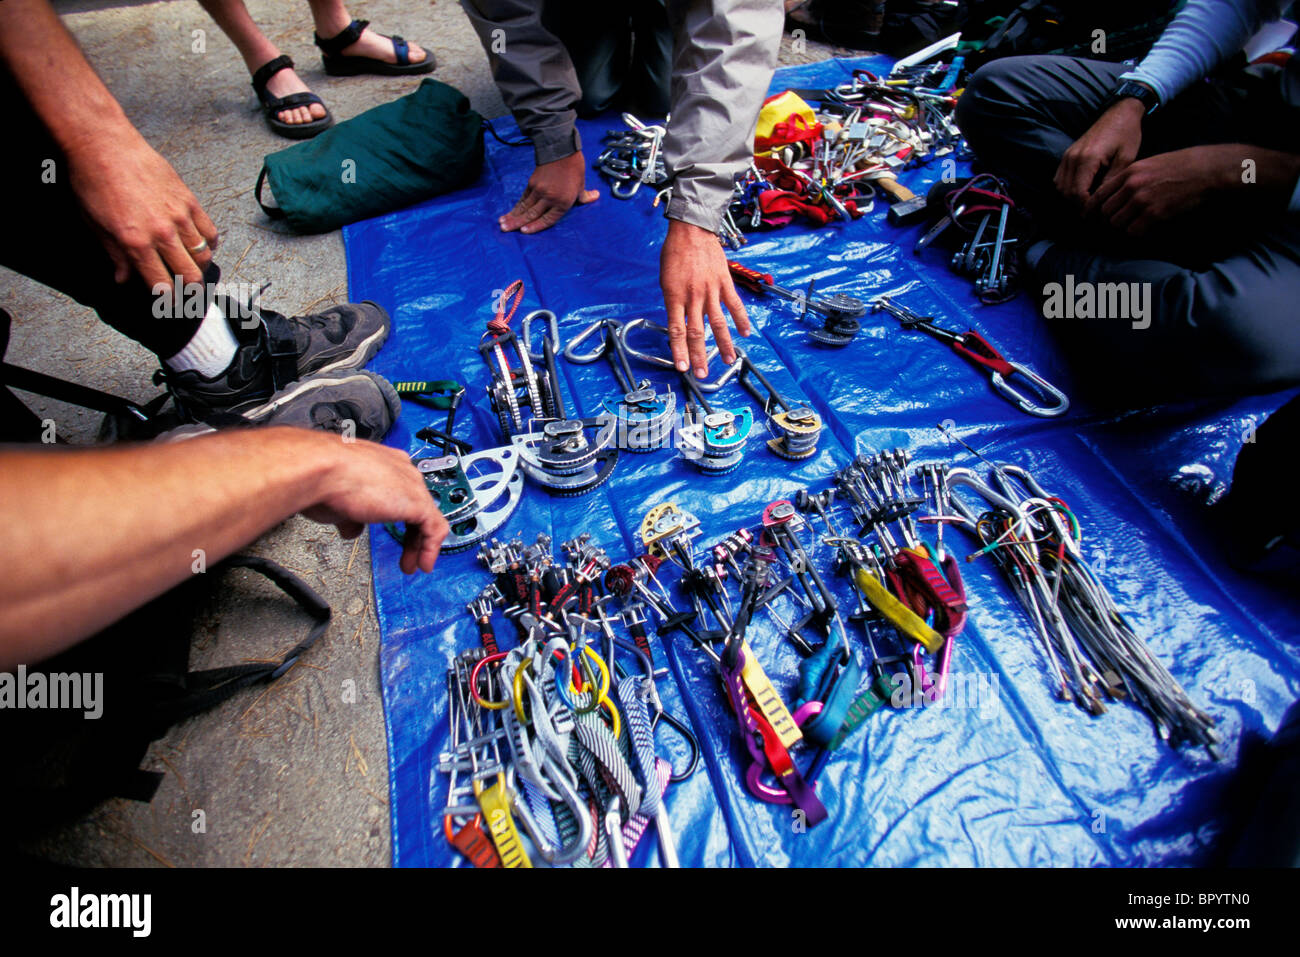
[
  {"x": 338, "y": 65},
  {"x": 271, "y": 104}
]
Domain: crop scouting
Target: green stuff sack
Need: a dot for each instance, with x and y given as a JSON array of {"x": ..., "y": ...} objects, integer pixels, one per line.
[{"x": 406, "y": 151}]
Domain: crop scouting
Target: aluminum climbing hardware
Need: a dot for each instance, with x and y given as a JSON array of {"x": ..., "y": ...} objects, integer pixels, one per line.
[
  {"x": 1092, "y": 651},
  {"x": 975, "y": 348},
  {"x": 476, "y": 493},
  {"x": 633, "y": 157},
  {"x": 840, "y": 312},
  {"x": 513, "y": 391},
  {"x": 565, "y": 456},
  {"x": 645, "y": 415},
  {"x": 650, "y": 358},
  {"x": 796, "y": 429},
  {"x": 713, "y": 439},
  {"x": 553, "y": 755}
]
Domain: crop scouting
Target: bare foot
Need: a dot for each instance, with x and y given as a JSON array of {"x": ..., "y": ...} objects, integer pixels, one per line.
[
  {"x": 285, "y": 83},
  {"x": 379, "y": 47}
]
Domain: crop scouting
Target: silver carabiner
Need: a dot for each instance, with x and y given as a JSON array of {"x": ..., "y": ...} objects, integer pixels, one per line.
[
  {"x": 710, "y": 354},
  {"x": 647, "y": 357},
  {"x": 599, "y": 325},
  {"x": 1025, "y": 404},
  {"x": 526, "y": 329},
  {"x": 620, "y": 191}
]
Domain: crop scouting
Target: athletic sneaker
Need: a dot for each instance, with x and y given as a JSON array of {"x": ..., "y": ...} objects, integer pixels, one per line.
[
  {"x": 354, "y": 403},
  {"x": 275, "y": 352}
]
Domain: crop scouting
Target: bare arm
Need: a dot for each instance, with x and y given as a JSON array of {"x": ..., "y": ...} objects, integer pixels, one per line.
[
  {"x": 89, "y": 535},
  {"x": 148, "y": 219}
]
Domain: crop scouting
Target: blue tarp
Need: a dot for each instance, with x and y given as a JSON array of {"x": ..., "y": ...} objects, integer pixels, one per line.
[{"x": 1027, "y": 780}]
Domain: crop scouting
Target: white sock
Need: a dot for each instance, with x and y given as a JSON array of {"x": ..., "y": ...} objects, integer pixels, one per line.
[{"x": 211, "y": 350}]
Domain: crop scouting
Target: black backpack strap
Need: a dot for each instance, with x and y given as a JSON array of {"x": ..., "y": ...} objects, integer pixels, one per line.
[
  {"x": 206, "y": 689},
  {"x": 274, "y": 212}
]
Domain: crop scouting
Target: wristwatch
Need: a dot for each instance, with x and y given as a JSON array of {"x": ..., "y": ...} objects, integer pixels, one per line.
[{"x": 1139, "y": 91}]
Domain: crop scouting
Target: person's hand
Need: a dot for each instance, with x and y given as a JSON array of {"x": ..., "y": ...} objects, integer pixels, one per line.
[
  {"x": 366, "y": 482},
  {"x": 149, "y": 221},
  {"x": 1157, "y": 188},
  {"x": 696, "y": 282},
  {"x": 1110, "y": 144},
  {"x": 552, "y": 190}
]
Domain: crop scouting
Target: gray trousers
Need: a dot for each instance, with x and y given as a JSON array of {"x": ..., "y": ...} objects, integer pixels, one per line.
[
  {"x": 1223, "y": 281},
  {"x": 622, "y": 53}
]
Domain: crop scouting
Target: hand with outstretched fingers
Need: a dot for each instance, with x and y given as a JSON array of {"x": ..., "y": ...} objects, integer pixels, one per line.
[{"x": 696, "y": 284}]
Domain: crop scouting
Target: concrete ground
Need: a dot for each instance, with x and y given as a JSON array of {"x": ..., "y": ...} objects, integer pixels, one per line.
[{"x": 290, "y": 774}]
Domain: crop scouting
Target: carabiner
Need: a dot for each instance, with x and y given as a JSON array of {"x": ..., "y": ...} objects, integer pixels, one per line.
[
  {"x": 1045, "y": 388},
  {"x": 585, "y": 358},
  {"x": 554, "y": 328},
  {"x": 619, "y": 188},
  {"x": 646, "y": 357}
]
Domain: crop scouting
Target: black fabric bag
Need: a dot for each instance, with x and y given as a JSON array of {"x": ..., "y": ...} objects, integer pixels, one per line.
[
  {"x": 1066, "y": 27},
  {"x": 59, "y": 764}
]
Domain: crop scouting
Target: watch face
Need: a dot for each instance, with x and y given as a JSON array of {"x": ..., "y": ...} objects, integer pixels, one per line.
[{"x": 1139, "y": 92}]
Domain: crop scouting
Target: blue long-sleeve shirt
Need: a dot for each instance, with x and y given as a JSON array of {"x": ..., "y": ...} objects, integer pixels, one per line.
[{"x": 1201, "y": 37}]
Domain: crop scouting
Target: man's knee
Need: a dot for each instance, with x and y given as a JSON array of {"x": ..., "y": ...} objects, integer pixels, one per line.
[
  {"x": 1004, "y": 89},
  {"x": 987, "y": 96}
]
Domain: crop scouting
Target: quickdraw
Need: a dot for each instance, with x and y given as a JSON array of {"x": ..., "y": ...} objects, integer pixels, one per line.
[{"x": 975, "y": 348}]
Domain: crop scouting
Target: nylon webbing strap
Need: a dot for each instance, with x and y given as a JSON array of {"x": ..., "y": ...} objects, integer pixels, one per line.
[
  {"x": 204, "y": 689},
  {"x": 475, "y": 845},
  {"x": 640, "y": 730},
  {"x": 496, "y": 812},
  {"x": 635, "y": 828},
  {"x": 768, "y": 700},
  {"x": 598, "y": 741}
]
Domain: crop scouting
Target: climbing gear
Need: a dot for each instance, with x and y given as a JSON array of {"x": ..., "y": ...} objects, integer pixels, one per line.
[
  {"x": 565, "y": 456},
  {"x": 633, "y": 157},
  {"x": 796, "y": 428},
  {"x": 972, "y": 346},
  {"x": 1092, "y": 650},
  {"x": 578, "y": 780},
  {"x": 713, "y": 439},
  {"x": 840, "y": 312},
  {"x": 645, "y": 415}
]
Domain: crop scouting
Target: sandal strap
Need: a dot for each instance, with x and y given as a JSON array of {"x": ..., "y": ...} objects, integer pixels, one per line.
[
  {"x": 277, "y": 103},
  {"x": 269, "y": 69},
  {"x": 335, "y": 44},
  {"x": 401, "y": 50}
]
